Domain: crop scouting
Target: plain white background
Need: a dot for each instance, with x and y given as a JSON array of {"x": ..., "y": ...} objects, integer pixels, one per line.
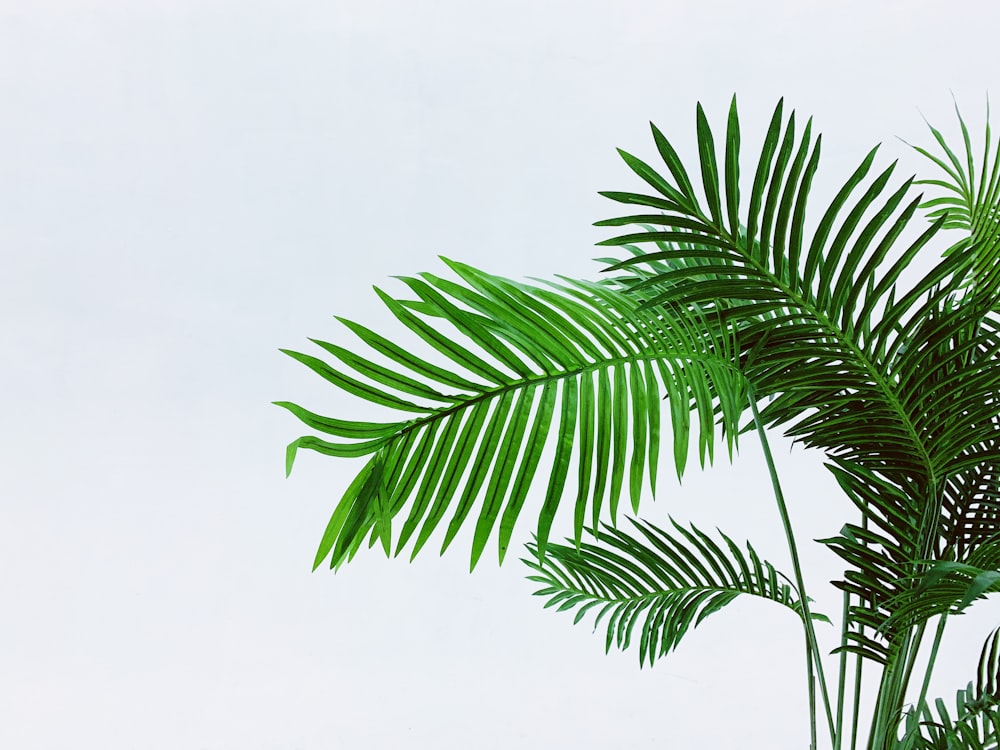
[{"x": 187, "y": 186}]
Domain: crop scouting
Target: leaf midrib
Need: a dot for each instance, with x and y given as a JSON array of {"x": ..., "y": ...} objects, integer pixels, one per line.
[
  {"x": 576, "y": 591},
  {"x": 536, "y": 380}
]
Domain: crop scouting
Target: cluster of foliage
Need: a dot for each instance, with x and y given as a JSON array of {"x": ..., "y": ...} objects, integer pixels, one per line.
[{"x": 724, "y": 306}]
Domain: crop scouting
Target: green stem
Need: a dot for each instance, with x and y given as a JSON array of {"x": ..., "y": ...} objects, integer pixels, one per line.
[
  {"x": 877, "y": 716},
  {"x": 930, "y": 662},
  {"x": 859, "y": 663},
  {"x": 899, "y": 697},
  {"x": 858, "y": 667},
  {"x": 813, "y": 654},
  {"x": 911, "y": 661},
  {"x": 885, "y": 702},
  {"x": 842, "y": 675},
  {"x": 811, "y": 691},
  {"x": 895, "y": 679}
]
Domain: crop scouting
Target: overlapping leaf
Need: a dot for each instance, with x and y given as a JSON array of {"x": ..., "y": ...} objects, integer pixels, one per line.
[
  {"x": 908, "y": 520},
  {"x": 948, "y": 586},
  {"x": 880, "y": 552},
  {"x": 514, "y": 370},
  {"x": 656, "y": 586},
  {"x": 821, "y": 319},
  {"x": 970, "y": 511}
]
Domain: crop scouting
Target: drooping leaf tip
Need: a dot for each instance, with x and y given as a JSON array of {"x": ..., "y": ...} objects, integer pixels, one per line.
[
  {"x": 290, "y": 452},
  {"x": 320, "y": 558}
]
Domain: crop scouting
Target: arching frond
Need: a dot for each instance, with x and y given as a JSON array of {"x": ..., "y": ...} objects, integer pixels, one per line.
[
  {"x": 661, "y": 583},
  {"x": 514, "y": 370}
]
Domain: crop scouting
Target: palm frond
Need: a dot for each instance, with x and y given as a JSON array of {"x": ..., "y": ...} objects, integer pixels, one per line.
[
  {"x": 820, "y": 319},
  {"x": 574, "y": 366},
  {"x": 976, "y": 722},
  {"x": 970, "y": 202},
  {"x": 661, "y": 583}
]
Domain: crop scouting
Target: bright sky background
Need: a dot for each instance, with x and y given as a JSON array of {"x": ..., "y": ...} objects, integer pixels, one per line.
[{"x": 187, "y": 186}]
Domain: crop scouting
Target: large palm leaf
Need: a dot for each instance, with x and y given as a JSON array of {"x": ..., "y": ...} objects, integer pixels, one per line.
[
  {"x": 507, "y": 361},
  {"x": 822, "y": 322},
  {"x": 661, "y": 583}
]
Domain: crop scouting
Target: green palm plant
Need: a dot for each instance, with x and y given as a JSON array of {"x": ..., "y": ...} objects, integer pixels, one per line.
[{"x": 726, "y": 306}]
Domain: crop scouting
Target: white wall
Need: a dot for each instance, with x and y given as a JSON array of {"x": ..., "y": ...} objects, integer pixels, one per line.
[{"x": 186, "y": 186}]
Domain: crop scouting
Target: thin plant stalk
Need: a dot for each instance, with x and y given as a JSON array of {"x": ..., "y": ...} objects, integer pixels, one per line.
[
  {"x": 912, "y": 659},
  {"x": 856, "y": 712},
  {"x": 938, "y": 633},
  {"x": 886, "y": 699},
  {"x": 895, "y": 679},
  {"x": 811, "y": 691},
  {"x": 842, "y": 676},
  {"x": 812, "y": 646},
  {"x": 859, "y": 663}
]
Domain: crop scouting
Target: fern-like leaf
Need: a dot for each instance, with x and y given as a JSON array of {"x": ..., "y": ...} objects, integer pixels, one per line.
[
  {"x": 656, "y": 586},
  {"x": 514, "y": 369}
]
